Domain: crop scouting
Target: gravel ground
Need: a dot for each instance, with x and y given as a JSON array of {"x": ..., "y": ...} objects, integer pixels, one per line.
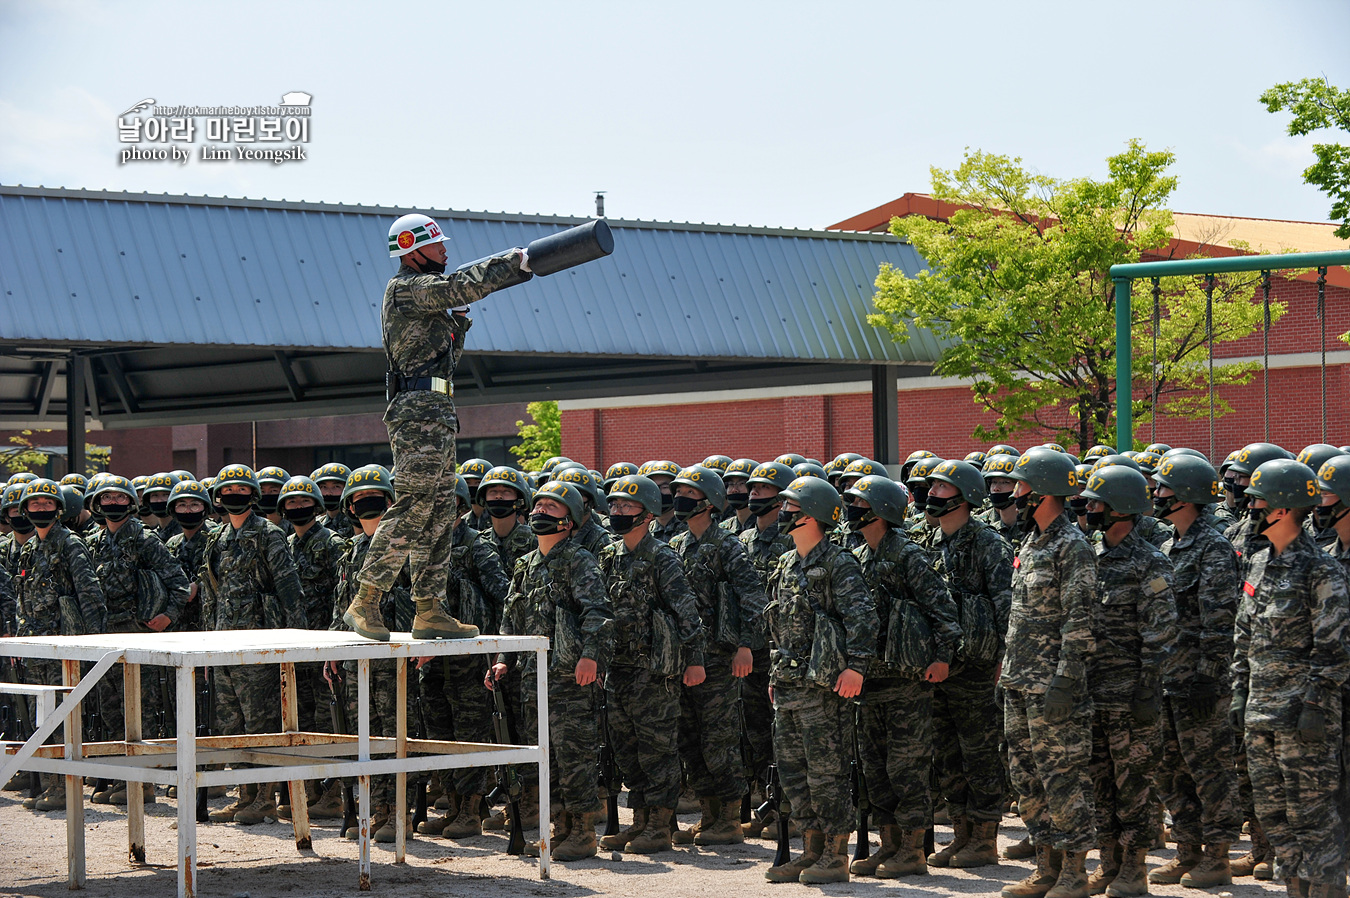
[{"x": 262, "y": 861}]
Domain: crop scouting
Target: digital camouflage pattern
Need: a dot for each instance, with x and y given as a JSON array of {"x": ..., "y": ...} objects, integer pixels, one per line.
[
  {"x": 317, "y": 554},
  {"x": 592, "y": 535},
  {"x": 667, "y": 531},
  {"x": 1195, "y": 777},
  {"x": 728, "y": 591},
  {"x": 518, "y": 542},
  {"x": 57, "y": 588},
  {"x": 247, "y": 580},
  {"x": 189, "y": 553},
  {"x": 1049, "y": 633},
  {"x": 896, "y": 747},
  {"x": 1153, "y": 530},
  {"x": 763, "y": 548},
  {"x": 9, "y": 605},
  {"x": 811, "y": 733},
  {"x": 916, "y": 615},
  {"x": 1290, "y": 654}
]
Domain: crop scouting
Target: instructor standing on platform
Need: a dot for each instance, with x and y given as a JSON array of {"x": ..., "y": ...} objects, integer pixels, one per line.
[{"x": 425, "y": 319}]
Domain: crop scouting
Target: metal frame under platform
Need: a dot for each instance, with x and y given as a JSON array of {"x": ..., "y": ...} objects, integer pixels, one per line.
[{"x": 292, "y": 756}]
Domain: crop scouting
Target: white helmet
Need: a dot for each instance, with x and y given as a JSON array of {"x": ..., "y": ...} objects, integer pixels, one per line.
[{"x": 411, "y": 232}]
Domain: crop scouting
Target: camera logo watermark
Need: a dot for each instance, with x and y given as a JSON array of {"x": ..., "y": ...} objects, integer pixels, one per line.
[{"x": 274, "y": 134}]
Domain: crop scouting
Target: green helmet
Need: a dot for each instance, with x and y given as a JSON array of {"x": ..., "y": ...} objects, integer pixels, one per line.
[
  {"x": 772, "y": 473},
  {"x": 922, "y": 468},
  {"x": 553, "y": 462},
  {"x": 718, "y": 463},
  {"x": 1253, "y": 455},
  {"x": 810, "y": 469},
  {"x": 1083, "y": 471},
  {"x": 462, "y": 491},
  {"x": 565, "y": 493},
  {"x": 504, "y": 475},
  {"x": 333, "y": 471},
  {"x": 589, "y": 485},
  {"x": 862, "y": 467},
  {"x": 741, "y": 467},
  {"x": 1334, "y": 477},
  {"x": 887, "y": 498},
  {"x": 10, "y": 497},
  {"x": 536, "y": 479},
  {"x": 911, "y": 460},
  {"x": 138, "y": 482},
  {"x": 836, "y": 466},
  {"x": 1046, "y": 472},
  {"x": 300, "y": 485},
  {"x": 976, "y": 458},
  {"x": 817, "y": 499},
  {"x": 1285, "y": 483},
  {"x": 41, "y": 487},
  {"x": 235, "y": 474},
  {"x": 273, "y": 474},
  {"x": 180, "y": 475},
  {"x": 21, "y": 477},
  {"x": 72, "y": 503},
  {"x": 1191, "y": 479},
  {"x": 1184, "y": 450},
  {"x": 1228, "y": 462},
  {"x": 1158, "y": 448},
  {"x": 998, "y": 464},
  {"x": 791, "y": 459},
  {"x": 965, "y": 477},
  {"x": 617, "y": 470},
  {"x": 1055, "y": 446},
  {"x": 659, "y": 466},
  {"x": 1097, "y": 451},
  {"x": 1147, "y": 461},
  {"x": 1123, "y": 489},
  {"x": 638, "y": 488},
  {"x": 368, "y": 477},
  {"x": 1313, "y": 456},
  {"x": 707, "y": 481},
  {"x": 79, "y": 481},
  {"x": 111, "y": 483},
  {"x": 188, "y": 489},
  {"x": 475, "y": 468},
  {"x": 1107, "y": 461}
]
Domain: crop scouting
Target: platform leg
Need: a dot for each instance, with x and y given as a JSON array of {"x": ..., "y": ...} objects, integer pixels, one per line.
[
  {"x": 363, "y": 754},
  {"x": 70, "y": 676},
  {"x": 541, "y": 664},
  {"x": 290, "y": 723},
  {"x": 401, "y": 751},
  {"x": 131, "y": 715},
  {"x": 186, "y": 769}
]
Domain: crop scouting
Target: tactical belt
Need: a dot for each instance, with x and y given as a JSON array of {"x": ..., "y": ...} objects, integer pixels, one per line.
[{"x": 397, "y": 383}]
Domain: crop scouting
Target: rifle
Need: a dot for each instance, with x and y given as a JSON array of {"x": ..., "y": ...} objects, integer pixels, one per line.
[
  {"x": 420, "y": 805},
  {"x": 858, "y": 782},
  {"x": 206, "y": 709},
  {"x": 506, "y": 775},
  {"x": 97, "y": 731},
  {"x": 163, "y": 730},
  {"x": 609, "y": 771},
  {"x": 747, "y": 759},
  {"x": 776, "y": 801},
  {"x": 339, "y": 711}
]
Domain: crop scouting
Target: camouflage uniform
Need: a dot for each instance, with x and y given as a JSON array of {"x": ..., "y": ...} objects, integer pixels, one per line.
[
  {"x": 917, "y": 625},
  {"x": 188, "y": 553},
  {"x": 1049, "y": 633},
  {"x": 564, "y": 584},
  {"x": 340, "y": 523},
  {"x": 513, "y": 547},
  {"x": 166, "y": 532},
  {"x": 455, "y": 704},
  {"x": 643, "y": 701},
  {"x": 1135, "y": 629},
  {"x": 248, "y": 582},
  {"x": 316, "y": 555},
  {"x": 421, "y": 339},
  {"x": 1012, "y": 533},
  {"x": 1290, "y": 652},
  {"x": 125, "y": 561},
  {"x": 1195, "y": 779},
  {"x": 1153, "y": 530},
  {"x": 730, "y": 601},
  {"x": 9, "y": 605},
  {"x": 667, "y": 531},
  {"x": 968, "y": 723},
  {"x": 811, "y": 722},
  {"x": 763, "y": 548},
  {"x": 1225, "y": 514},
  {"x": 592, "y": 535},
  {"x": 732, "y": 523}
]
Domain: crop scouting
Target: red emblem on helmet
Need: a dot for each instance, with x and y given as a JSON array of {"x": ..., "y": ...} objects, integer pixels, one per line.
[{"x": 405, "y": 239}]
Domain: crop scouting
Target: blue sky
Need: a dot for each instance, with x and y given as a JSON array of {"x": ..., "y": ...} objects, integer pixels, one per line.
[{"x": 783, "y": 113}]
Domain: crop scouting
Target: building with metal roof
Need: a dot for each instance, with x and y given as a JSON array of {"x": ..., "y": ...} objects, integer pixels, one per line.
[{"x": 147, "y": 310}]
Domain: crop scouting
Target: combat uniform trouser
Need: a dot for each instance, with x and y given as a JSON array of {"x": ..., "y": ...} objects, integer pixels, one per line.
[
  {"x": 383, "y": 719},
  {"x": 759, "y": 715},
  {"x": 1049, "y": 768},
  {"x": 248, "y": 699},
  {"x": 896, "y": 746},
  {"x": 311, "y": 691},
  {"x": 456, "y": 706},
  {"x": 157, "y": 719},
  {"x": 812, "y": 746},
  {"x": 644, "y": 722},
  {"x": 710, "y": 732},
  {"x": 967, "y": 728},
  {"x": 1296, "y": 787},
  {"x": 573, "y": 737},
  {"x": 1123, "y": 761},
  {"x": 1196, "y": 780}
]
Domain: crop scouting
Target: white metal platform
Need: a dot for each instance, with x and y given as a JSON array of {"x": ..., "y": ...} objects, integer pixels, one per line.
[{"x": 290, "y": 755}]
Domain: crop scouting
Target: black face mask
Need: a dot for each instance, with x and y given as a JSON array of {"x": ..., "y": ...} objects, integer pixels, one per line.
[
  {"x": 667, "y": 502},
  {"x": 545, "y": 524},
  {"x": 189, "y": 519},
  {"x": 96, "y": 514},
  {"x": 1325, "y": 516},
  {"x": 1164, "y": 506},
  {"x": 1240, "y": 500},
  {"x": 159, "y": 507},
  {"x": 233, "y": 503},
  {"x": 300, "y": 516},
  {"x": 937, "y": 508},
  {"x": 1026, "y": 509},
  {"x": 1263, "y": 514},
  {"x": 789, "y": 521},
  {"x": 761, "y": 507},
  {"x": 20, "y": 524},
  {"x": 267, "y": 503},
  {"x": 1001, "y": 500},
  {"x": 368, "y": 508},
  {"x": 501, "y": 508},
  {"x": 856, "y": 517},
  {"x": 332, "y": 503},
  {"x": 44, "y": 518},
  {"x": 1096, "y": 520},
  {"x": 738, "y": 501},
  {"x": 687, "y": 507},
  {"x": 144, "y": 510},
  {"x": 114, "y": 513},
  {"x": 1078, "y": 505},
  {"x": 427, "y": 265},
  {"x": 919, "y": 494},
  {"x": 623, "y": 523}
]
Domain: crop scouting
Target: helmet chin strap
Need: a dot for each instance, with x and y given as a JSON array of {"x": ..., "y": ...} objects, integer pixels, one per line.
[{"x": 426, "y": 263}]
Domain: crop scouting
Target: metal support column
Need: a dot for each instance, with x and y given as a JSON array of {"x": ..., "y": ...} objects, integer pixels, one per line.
[
  {"x": 1124, "y": 377},
  {"x": 76, "y": 368},
  {"x": 885, "y": 416}
]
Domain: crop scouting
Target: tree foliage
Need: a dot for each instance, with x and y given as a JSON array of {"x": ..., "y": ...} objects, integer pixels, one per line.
[
  {"x": 541, "y": 440},
  {"x": 1316, "y": 106},
  {"x": 1018, "y": 293}
]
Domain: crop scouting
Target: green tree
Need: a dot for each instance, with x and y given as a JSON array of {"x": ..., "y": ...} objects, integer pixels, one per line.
[
  {"x": 1018, "y": 294},
  {"x": 1316, "y": 106},
  {"x": 20, "y": 455},
  {"x": 541, "y": 440}
]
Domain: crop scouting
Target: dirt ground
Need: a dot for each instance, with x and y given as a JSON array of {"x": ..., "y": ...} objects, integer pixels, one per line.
[{"x": 262, "y": 861}]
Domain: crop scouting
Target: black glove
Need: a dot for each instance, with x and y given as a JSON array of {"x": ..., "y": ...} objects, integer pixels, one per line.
[
  {"x": 1237, "y": 711},
  {"x": 1312, "y": 725},
  {"x": 1205, "y": 695},
  {"x": 1059, "y": 699},
  {"x": 1146, "y": 704}
]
